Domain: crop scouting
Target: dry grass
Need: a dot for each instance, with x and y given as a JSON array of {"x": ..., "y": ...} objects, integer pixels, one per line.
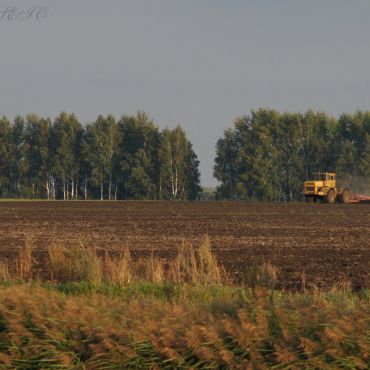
[
  {"x": 24, "y": 262},
  {"x": 196, "y": 266},
  {"x": 119, "y": 270},
  {"x": 80, "y": 263},
  {"x": 152, "y": 269},
  {"x": 265, "y": 275},
  {"x": 245, "y": 329},
  {"x": 73, "y": 264},
  {"x": 4, "y": 271},
  {"x": 178, "y": 314}
]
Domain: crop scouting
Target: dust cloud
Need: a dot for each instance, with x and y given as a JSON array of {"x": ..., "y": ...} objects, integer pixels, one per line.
[{"x": 355, "y": 184}]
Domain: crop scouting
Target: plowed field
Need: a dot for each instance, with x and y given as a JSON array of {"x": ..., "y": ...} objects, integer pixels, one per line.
[{"x": 327, "y": 243}]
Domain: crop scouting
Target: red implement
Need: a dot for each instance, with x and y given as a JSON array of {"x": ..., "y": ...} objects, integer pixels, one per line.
[{"x": 357, "y": 198}]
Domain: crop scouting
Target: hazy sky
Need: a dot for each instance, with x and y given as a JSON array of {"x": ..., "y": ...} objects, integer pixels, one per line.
[{"x": 198, "y": 63}]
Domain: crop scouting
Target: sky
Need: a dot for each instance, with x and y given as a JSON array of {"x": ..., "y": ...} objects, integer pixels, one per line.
[{"x": 197, "y": 63}]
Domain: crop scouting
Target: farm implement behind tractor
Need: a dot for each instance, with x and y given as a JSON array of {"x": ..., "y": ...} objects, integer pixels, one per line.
[
  {"x": 357, "y": 198},
  {"x": 324, "y": 188}
]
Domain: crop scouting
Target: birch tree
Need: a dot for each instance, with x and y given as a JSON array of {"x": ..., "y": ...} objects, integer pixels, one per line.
[
  {"x": 65, "y": 137},
  {"x": 104, "y": 144},
  {"x": 37, "y": 155},
  {"x": 174, "y": 153},
  {"x": 5, "y": 155},
  {"x": 18, "y": 158}
]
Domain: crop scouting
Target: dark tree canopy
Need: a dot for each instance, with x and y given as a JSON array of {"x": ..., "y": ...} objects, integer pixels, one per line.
[
  {"x": 104, "y": 159},
  {"x": 268, "y": 155}
]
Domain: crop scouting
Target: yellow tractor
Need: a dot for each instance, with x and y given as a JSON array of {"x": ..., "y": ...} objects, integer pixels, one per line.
[{"x": 324, "y": 187}]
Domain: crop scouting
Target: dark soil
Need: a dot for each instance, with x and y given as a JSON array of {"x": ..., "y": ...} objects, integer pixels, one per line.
[{"x": 321, "y": 244}]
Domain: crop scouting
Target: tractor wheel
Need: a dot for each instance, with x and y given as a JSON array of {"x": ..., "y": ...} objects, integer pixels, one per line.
[
  {"x": 343, "y": 197},
  {"x": 309, "y": 199},
  {"x": 330, "y": 197}
]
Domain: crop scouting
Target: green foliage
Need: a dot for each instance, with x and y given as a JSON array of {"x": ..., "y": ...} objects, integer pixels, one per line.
[
  {"x": 36, "y": 153},
  {"x": 268, "y": 155},
  {"x": 105, "y": 159},
  {"x": 103, "y": 144},
  {"x": 18, "y": 161},
  {"x": 5, "y": 154},
  {"x": 138, "y": 158}
]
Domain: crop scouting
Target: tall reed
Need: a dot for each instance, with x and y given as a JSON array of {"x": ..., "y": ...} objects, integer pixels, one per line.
[
  {"x": 196, "y": 265},
  {"x": 24, "y": 262},
  {"x": 81, "y": 263},
  {"x": 118, "y": 270}
]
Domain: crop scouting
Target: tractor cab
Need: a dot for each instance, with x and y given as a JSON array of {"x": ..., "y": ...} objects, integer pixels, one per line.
[{"x": 325, "y": 179}]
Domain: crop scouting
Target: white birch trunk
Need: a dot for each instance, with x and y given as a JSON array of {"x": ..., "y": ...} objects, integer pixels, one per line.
[
  {"x": 54, "y": 190},
  {"x": 48, "y": 188},
  {"x": 110, "y": 185},
  {"x": 177, "y": 167},
  {"x": 172, "y": 175},
  {"x": 101, "y": 187},
  {"x": 176, "y": 182},
  {"x": 73, "y": 189},
  {"x": 85, "y": 188},
  {"x": 183, "y": 189},
  {"x": 76, "y": 188}
]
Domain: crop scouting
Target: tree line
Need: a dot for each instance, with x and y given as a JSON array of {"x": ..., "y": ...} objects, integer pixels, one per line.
[
  {"x": 129, "y": 158},
  {"x": 267, "y": 155}
]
